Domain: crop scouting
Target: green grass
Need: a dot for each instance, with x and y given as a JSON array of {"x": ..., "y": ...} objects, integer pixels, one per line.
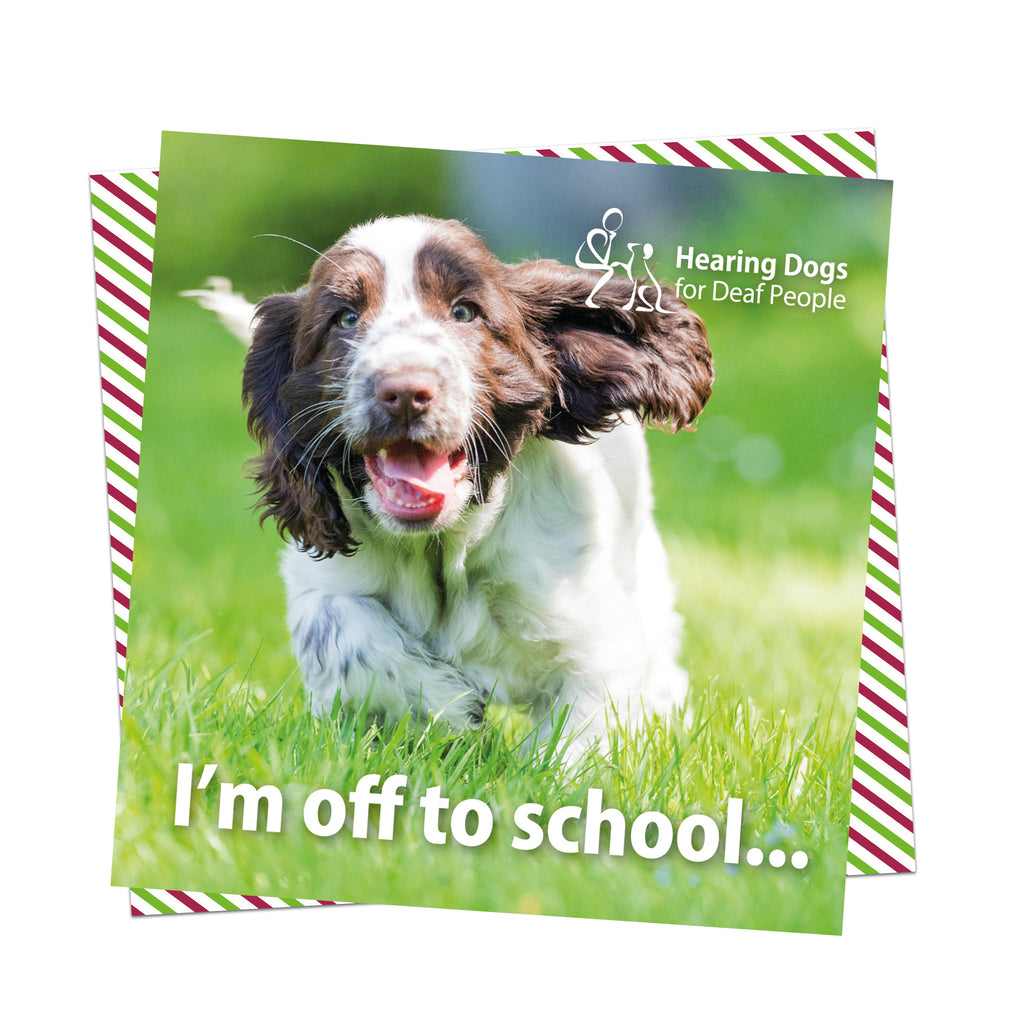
[
  {"x": 768, "y": 723},
  {"x": 784, "y": 768}
]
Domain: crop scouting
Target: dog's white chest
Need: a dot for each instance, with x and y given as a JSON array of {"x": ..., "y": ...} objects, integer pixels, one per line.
[{"x": 558, "y": 588}]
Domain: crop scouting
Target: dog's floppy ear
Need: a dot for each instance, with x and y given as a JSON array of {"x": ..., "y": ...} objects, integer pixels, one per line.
[
  {"x": 615, "y": 356},
  {"x": 295, "y": 486}
]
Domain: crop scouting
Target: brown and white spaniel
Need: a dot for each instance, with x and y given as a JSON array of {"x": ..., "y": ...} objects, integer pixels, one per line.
[{"x": 454, "y": 447}]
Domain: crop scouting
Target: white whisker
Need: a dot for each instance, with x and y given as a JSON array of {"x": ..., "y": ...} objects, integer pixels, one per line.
[
  {"x": 299, "y": 419},
  {"x": 309, "y": 451},
  {"x": 496, "y": 437},
  {"x": 288, "y": 238}
]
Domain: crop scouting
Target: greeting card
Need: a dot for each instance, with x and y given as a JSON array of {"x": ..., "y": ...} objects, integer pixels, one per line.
[{"x": 470, "y": 688}]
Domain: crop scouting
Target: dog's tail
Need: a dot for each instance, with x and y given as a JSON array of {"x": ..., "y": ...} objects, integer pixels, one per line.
[{"x": 233, "y": 309}]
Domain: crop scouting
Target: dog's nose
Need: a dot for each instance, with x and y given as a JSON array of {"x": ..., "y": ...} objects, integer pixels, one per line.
[{"x": 407, "y": 394}]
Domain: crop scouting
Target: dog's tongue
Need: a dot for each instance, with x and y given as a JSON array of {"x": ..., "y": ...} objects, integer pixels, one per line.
[
  {"x": 419, "y": 467},
  {"x": 415, "y": 482}
]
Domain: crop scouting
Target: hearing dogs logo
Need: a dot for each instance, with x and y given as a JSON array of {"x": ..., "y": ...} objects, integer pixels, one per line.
[{"x": 599, "y": 243}]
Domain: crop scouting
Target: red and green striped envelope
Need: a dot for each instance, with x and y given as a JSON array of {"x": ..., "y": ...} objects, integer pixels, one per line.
[{"x": 881, "y": 834}]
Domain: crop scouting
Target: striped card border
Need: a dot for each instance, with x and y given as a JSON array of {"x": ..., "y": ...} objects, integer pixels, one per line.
[
  {"x": 145, "y": 902},
  {"x": 881, "y": 838}
]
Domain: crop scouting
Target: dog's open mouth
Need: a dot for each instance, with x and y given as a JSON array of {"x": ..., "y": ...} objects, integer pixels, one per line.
[{"x": 415, "y": 482}]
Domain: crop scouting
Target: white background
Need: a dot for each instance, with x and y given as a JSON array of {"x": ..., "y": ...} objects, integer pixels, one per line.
[{"x": 89, "y": 88}]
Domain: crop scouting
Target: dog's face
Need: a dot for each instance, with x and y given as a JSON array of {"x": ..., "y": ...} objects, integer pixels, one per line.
[{"x": 413, "y": 365}]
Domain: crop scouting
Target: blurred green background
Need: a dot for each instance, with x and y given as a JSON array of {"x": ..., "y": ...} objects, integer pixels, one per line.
[{"x": 764, "y": 508}]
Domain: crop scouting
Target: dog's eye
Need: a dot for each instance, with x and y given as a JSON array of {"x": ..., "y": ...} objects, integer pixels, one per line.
[
  {"x": 464, "y": 312},
  {"x": 347, "y": 318}
]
